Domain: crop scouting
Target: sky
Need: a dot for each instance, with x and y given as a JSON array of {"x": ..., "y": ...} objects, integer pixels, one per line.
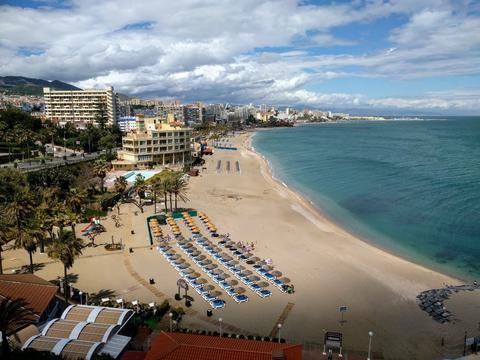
[{"x": 397, "y": 56}]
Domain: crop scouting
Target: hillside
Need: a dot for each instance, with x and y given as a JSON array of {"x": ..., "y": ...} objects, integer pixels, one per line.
[{"x": 27, "y": 86}]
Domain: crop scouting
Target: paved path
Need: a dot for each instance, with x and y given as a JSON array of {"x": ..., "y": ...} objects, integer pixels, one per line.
[
  {"x": 281, "y": 319},
  {"x": 140, "y": 280}
]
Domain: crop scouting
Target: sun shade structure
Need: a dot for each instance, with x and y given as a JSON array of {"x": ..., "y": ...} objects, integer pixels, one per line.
[{"x": 82, "y": 332}]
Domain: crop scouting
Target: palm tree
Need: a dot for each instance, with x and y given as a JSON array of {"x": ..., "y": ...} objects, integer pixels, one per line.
[
  {"x": 27, "y": 240},
  {"x": 120, "y": 185},
  {"x": 75, "y": 200},
  {"x": 13, "y": 313},
  {"x": 167, "y": 191},
  {"x": 20, "y": 208},
  {"x": 139, "y": 184},
  {"x": 5, "y": 237},
  {"x": 66, "y": 248},
  {"x": 179, "y": 188},
  {"x": 100, "y": 170}
]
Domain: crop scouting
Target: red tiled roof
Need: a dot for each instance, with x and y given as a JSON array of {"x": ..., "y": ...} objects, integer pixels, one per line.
[
  {"x": 133, "y": 355},
  {"x": 36, "y": 292},
  {"x": 180, "y": 346}
]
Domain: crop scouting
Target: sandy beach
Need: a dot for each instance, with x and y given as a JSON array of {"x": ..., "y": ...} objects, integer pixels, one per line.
[{"x": 328, "y": 266}]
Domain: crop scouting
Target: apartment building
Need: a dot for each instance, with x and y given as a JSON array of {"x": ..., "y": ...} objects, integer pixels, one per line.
[
  {"x": 175, "y": 107},
  {"x": 159, "y": 143},
  {"x": 194, "y": 113},
  {"x": 80, "y": 107}
]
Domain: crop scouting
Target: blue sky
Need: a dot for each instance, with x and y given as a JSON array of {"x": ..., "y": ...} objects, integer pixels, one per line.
[{"x": 370, "y": 55}]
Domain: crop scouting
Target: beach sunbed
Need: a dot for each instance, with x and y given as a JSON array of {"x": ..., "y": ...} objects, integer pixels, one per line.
[
  {"x": 217, "y": 304},
  {"x": 240, "y": 298},
  {"x": 264, "y": 293}
]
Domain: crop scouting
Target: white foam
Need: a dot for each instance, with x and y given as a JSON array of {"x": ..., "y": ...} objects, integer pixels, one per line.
[{"x": 309, "y": 216}]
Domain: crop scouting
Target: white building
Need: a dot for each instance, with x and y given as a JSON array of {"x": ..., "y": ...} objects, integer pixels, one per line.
[
  {"x": 80, "y": 106},
  {"x": 127, "y": 123},
  {"x": 158, "y": 143}
]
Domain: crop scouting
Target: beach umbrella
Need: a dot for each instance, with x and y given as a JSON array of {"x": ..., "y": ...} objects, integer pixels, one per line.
[
  {"x": 255, "y": 259},
  {"x": 174, "y": 256},
  {"x": 223, "y": 276},
  {"x": 277, "y": 273},
  {"x": 179, "y": 261},
  {"x": 216, "y": 293},
  {"x": 239, "y": 290},
  {"x": 263, "y": 284},
  {"x": 267, "y": 267},
  {"x": 206, "y": 262},
  {"x": 165, "y": 247},
  {"x": 201, "y": 257},
  {"x": 218, "y": 271},
  {"x": 240, "y": 267},
  {"x": 195, "y": 253},
  {"x": 195, "y": 275},
  {"x": 246, "y": 272},
  {"x": 253, "y": 278},
  {"x": 209, "y": 287},
  {"x": 184, "y": 265},
  {"x": 188, "y": 245},
  {"x": 226, "y": 256},
  {"x": 188, "y": 271},
  {"x": 200, "y": 281},
  {"x": 211, "y": 266},
  {"x": 232, "y": 282},
  {"x": 285, "y": 280}
]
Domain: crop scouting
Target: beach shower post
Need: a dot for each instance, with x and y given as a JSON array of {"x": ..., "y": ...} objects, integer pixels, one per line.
[{"x": 370, "y": 335}]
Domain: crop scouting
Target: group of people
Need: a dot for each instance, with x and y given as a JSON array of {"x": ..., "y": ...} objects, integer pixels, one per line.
[
  {"x": 246, "y": 246},
  {"x": 289, "y": 289}
]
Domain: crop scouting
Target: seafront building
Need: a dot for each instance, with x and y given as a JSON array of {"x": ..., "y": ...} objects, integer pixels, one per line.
[
  {"x": 175, "y": 108},
  {"x": 127, "y": 123},
  {"x": 158, "y": 143},
  {"x": 81, "y": 107}
]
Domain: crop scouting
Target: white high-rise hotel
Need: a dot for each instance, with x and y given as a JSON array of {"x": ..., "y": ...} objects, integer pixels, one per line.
[{"x": 80, "y": 106}]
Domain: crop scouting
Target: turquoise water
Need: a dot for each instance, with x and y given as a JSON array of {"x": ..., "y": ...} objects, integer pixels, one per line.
[
  {"x": 410, "y": 187},
  {"x": 147, "y": 174}
]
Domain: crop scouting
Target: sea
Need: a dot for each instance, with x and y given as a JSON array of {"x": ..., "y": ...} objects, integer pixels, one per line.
[{"x": 408, "y": 186}]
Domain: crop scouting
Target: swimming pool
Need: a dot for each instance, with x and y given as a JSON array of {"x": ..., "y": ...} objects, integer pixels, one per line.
[{"x": 147, "y": 174}]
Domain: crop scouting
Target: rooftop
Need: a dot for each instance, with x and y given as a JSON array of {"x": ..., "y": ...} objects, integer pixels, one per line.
[
  {"x": 83, "y": 331},
  {"x": 36, "y": 292},
  {"x": 181, "y": 346}
]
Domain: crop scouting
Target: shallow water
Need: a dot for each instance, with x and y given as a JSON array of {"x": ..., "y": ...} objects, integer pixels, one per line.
[{"x": 411, "y": 187}]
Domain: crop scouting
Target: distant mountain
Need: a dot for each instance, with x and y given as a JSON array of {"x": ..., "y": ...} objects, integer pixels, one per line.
[{"x": 27, "y": 86}]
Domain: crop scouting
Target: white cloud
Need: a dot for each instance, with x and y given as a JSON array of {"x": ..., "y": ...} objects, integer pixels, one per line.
[{"x": 205, "y": 49}]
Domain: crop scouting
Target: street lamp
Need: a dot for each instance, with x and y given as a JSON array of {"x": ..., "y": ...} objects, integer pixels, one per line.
[
  {"x": 170, "y": 315},
  {"x": 220, "y": 325},
  {"x": 81, "y": 297},
  {"x": 279, "y": 326},
  {"x": 370, "y": 335}
]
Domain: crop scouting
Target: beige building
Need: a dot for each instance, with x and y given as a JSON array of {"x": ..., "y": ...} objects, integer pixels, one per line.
[
  {"x": 80, "y": 106},
  {"x": 159, "y": 143}
]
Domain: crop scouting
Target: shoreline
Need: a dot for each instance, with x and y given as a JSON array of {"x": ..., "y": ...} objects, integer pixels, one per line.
[{"x": 321, "y": 215}]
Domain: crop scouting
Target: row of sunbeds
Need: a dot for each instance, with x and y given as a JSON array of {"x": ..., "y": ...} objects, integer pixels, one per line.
[
  {"x": 238, "y": 272},
  {"x": 191, "y": 279},
  {"x": 212, "y": 271},
  {"x": 258, "y": 268}
]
